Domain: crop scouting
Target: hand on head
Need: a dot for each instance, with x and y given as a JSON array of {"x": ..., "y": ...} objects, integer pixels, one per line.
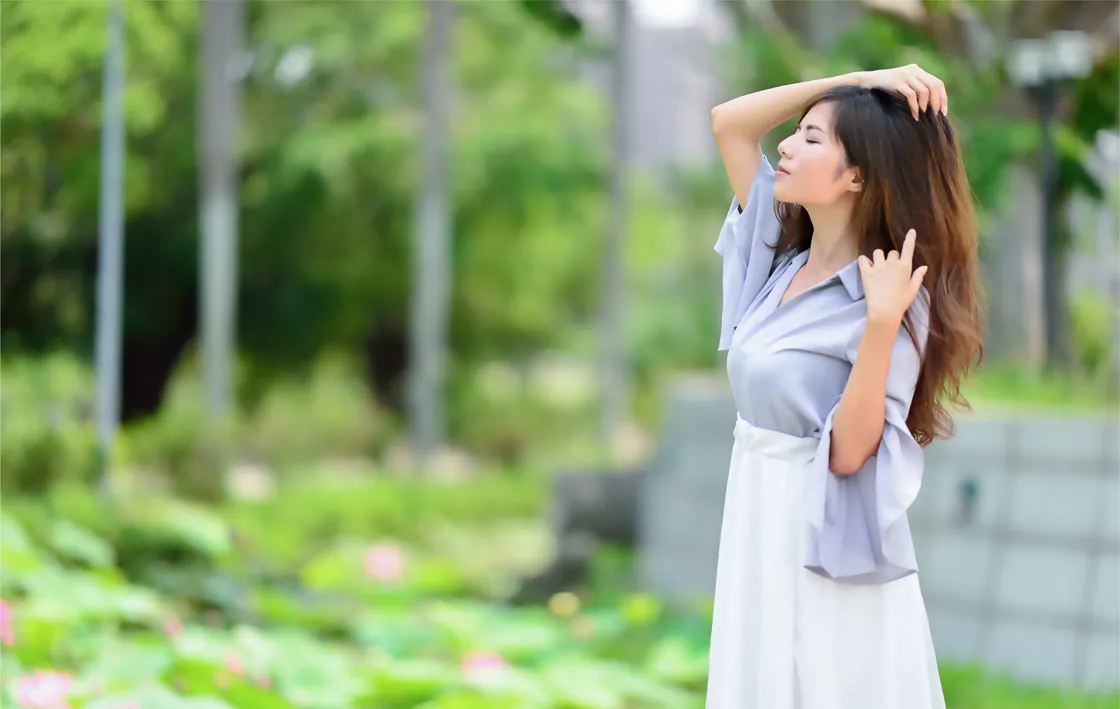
[{"x": 921, "y": 89}]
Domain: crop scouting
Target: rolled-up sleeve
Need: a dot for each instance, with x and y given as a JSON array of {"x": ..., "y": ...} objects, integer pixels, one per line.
[
  {"x": 746, "y": 244},
  {"x": 859, "y": 530}
]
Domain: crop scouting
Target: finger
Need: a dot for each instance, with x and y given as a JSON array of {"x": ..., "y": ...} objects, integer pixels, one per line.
[
  {"x": 937, "y": 97},
  {"x": 892, "y": 256},
  {"x": 944, "y": 97},
  {"x": 922, "y": 92},
  {"x": 878, "y": 256},
  {"x": 911, "y": 97},
  {"x": 908, "y": 247},
  {"x": 930, "y": 83},
  {"x": 916, "y": 279},
  {"x": 864, "y": 265}
]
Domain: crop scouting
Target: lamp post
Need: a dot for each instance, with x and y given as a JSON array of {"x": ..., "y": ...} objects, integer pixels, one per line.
[{"x": 1045, "y": 68}]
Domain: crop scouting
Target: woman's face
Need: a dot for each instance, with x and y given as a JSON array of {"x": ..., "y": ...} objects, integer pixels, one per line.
[{"x": 813, "y": 170}]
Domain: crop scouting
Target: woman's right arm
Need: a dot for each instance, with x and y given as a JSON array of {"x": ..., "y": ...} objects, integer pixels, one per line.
[{"x": 740, "y": 123}]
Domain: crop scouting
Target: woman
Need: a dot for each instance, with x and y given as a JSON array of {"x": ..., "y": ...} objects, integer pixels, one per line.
[{"x": 851, "y": 313}]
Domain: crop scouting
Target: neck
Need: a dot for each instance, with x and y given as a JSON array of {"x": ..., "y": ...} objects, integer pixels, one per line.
[{"x": 834, "y": 245}]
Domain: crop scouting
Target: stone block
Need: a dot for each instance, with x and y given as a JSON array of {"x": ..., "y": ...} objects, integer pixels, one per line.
[
  {"x": 942, "y": 503},
  {"x": 1066, "y": 442},
  {"x": 1112, "y": 446},
  {"x": 1054, "y": 505},
  {"x": 1102, "y": 662},
  {"x": 1109, "y": 529},
  {"x": 1032, "y": 653},
  {"x": 953, "y": 567},
  {"x": 1042, "y": 580},
  {"x": 1106, "y": 595},
  {"x": 982, "y": 438},
  {"x": 956, "y": 634}
]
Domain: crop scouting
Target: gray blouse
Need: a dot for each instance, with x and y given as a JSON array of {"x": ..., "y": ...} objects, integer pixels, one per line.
[{"x": 788, "y": 366}]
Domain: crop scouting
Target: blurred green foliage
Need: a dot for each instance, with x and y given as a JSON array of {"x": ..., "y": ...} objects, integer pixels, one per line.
[
  {"x": 329, "y": 178},
  {"x": 47, "y": 425},
  {"x": 364, "y": 622},
  {"x": 46, "y": 414}
]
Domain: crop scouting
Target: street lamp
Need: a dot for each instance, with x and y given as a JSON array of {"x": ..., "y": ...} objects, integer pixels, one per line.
[{"x": 1045, "y": 68}]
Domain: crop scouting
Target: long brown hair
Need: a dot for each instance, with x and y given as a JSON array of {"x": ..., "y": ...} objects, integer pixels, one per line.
[{"x": 913, "y": 178}]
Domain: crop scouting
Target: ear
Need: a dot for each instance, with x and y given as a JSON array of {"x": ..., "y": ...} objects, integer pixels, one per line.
[{"x": 853, "y": 179}]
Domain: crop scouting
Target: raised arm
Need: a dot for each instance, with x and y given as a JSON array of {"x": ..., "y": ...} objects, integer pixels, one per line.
[
  {"x": 891, "y": 285},
  {"x": 740, "y": 123}
]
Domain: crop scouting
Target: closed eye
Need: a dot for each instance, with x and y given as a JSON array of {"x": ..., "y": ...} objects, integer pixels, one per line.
[{"x": 797, "y": 130}]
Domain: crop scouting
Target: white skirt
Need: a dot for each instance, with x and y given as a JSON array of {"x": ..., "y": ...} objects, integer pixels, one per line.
[{"x": 784, "y": 637}]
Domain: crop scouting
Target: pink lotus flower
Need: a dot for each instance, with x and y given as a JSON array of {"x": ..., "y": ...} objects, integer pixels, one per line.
[
  {"x": 235, "y": 664},
  {"x": 7, "y": 634},
  {"x": 482, "y": 665},
  {"x": 172, "y": 627},
  {"x": 384, "y": 562},
  {"x": 43, "y": 689}
]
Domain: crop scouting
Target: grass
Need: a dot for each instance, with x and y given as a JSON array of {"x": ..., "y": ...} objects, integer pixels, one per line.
[
  {"x": 973, "y": 688},
  {"x": 1002, "y": 388}
]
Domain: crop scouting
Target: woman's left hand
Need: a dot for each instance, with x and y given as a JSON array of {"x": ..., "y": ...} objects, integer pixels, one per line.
[{"x": 890, "y": 283}]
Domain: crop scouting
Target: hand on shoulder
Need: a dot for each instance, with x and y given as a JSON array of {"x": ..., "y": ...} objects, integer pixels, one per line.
[{"x": 890, "y": 283}]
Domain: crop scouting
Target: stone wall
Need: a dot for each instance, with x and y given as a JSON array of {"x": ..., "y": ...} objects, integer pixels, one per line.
[{"x": 1017, "y": 529}]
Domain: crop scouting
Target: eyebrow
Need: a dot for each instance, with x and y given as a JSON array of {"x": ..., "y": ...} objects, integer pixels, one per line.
[{"x": 812, "y": 127}]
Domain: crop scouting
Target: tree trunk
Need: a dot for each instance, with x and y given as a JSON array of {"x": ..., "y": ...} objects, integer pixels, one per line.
[
  {"x": 431, "y": 273},
  {"x": 613, "y": 384},
  {"x": 222, "y": 31}
]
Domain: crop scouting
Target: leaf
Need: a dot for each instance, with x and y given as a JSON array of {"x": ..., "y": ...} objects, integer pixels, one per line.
[
  {"x": 395, "y": 633},
  {"x": 521, "y": 637},
  {"x": 193, "y": 525},
  {"x": 58, "y": 595},
  {"x": 79, "y": 544},
  {"x": 407, "y": 682},
  {"x": 128, "y": 665},
  {"x": 19, "y": 555},
  {"x": 676, "y": 660},
  {"x": 147, "y": 696},
  {"x": 583, "y": 684},
  {"x": 311, "y": 673}
]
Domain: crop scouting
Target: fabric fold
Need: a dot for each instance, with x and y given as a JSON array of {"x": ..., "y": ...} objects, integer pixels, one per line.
[
  {"x": 746, "y": 244},
  {"x": 859, "y": 528}
]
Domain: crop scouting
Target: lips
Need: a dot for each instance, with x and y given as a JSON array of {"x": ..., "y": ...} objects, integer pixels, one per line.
[{"x": 781, "y": 171}]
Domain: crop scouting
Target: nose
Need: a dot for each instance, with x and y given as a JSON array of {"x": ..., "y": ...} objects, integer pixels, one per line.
[{"x": 783, "y": 148}]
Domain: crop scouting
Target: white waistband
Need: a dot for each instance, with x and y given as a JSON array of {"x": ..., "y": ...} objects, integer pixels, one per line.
[{"x": 774, "y": 443}]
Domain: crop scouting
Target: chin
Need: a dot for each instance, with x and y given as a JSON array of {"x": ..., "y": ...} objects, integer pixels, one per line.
[{"x": 782, "y": 194}]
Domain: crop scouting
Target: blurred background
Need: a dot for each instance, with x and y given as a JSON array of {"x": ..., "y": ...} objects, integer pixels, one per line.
[{"x": 363, "y": 354}]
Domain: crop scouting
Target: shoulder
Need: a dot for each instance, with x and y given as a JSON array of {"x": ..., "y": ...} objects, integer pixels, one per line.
[
  {"x": 762, "y": 190},
  {"x": 913, "y": 335}
]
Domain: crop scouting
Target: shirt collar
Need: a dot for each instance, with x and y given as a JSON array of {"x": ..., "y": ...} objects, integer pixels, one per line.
[{"x": 849, "y": 276}]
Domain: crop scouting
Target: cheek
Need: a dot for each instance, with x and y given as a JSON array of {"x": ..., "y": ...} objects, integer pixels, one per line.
[
  {"x": 810, "y": 185},
  {"x": 815, "y": 181}
]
